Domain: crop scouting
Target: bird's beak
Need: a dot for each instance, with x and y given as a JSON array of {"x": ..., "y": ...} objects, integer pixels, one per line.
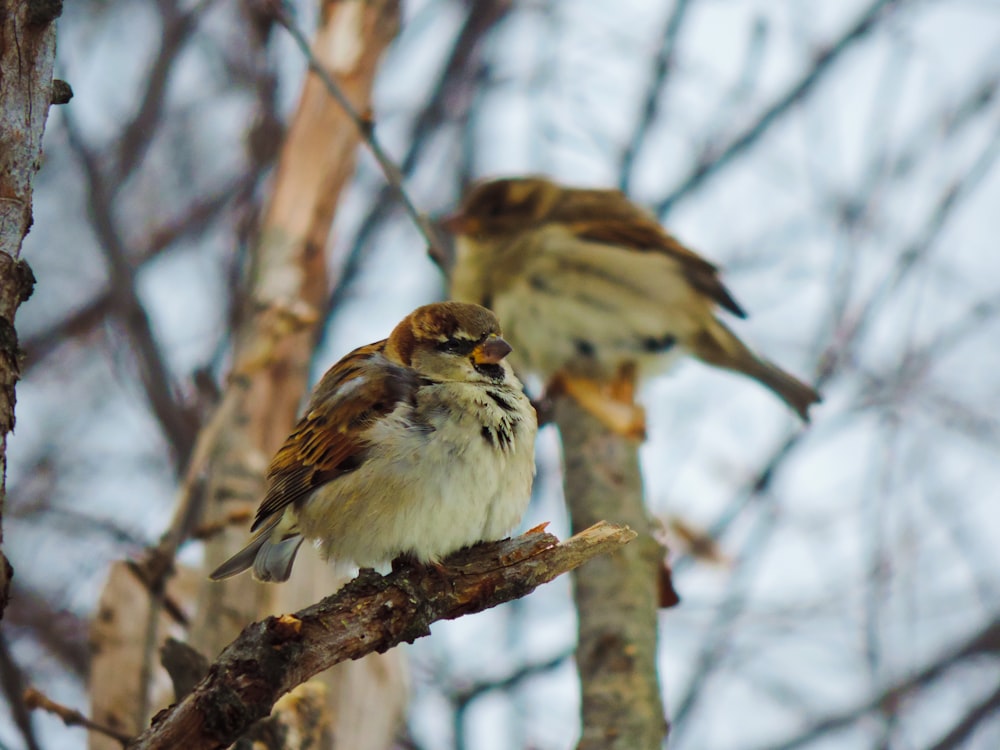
[
  {"x": 491, "y": 352},
  {"x": 458, "y": 223}
]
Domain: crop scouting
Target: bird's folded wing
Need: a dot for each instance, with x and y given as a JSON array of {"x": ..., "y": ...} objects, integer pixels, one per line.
[
  {"x": 330, "y": 439},
  {"x": 614, "y": 220}
]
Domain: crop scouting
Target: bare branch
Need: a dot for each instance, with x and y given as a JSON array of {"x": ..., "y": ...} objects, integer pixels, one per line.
[
  {"x": 662, "y": 67},
  {"x": 464, "y": 698},
  {"x": 12, "y": 684},
  {"x": 372, "y": 613},
  {"x": 712, "y": 163},
  {"x": 34, "y": 699},
  {"x": 178, "y": 422},
  {"x": 986, "y": 641},
  {"x": 457, "y": 83},
  {"x": 366, "y": 126},
  {"x": 622, "y": 707},
  {"x": 137, "y": 136},
  {"x": 62, "y": 633},
  {"x": 986, "y": 709}
]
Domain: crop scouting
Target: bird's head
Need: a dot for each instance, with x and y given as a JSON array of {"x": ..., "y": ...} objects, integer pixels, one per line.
[{"x": 451, "y": 341}]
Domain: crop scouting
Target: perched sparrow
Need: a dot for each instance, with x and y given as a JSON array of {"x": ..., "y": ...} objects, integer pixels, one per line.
[
  {"x": 592, "y": 291},
  {"x": 422, "y": 443}
]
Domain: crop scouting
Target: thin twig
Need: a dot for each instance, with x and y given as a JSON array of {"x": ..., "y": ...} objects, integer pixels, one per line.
[
  {"x": 193, "y": 219},
  {"x": 662, "y": 67},
  {"x": 712, "y": 163},
  {"x": 178, "y": 422},
  {"x": 35, "y": 699},
  {"x": 987, "y": 641},
  {"x": 61, "y": 633},
  {"x": 12, "y": 685},
  {"x": 463, "y": 698},
  {"x": 980, "y": 712},
  {"x": 365, "y": 126},
  {"x": 137, "y": 136},
  {"x": 453, "y": 94}
]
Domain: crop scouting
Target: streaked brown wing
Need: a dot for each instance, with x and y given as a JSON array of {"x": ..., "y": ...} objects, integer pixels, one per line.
[
  {"x": 327, "y": 441},
  {"x": 607, "y": 216}
]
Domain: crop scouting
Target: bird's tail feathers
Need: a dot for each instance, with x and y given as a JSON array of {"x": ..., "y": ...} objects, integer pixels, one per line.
[
  {"x": 720, "y": 347},
  {"x": 271, "y": 560},
  {"x": 274, "y": 560}
]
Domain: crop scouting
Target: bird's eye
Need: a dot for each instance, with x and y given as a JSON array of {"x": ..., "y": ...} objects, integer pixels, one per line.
[
  {"x": 496, "y": 208},
  {"x": 456, "y": 346}
]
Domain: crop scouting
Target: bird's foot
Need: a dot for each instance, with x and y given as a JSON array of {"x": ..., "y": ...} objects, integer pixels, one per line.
[{"x": 612, "y": 402}]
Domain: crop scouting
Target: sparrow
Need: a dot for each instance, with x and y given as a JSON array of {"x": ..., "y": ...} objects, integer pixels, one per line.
[
  {"x": 418, "y": 445},
  {"x": 594, "y": 294}
]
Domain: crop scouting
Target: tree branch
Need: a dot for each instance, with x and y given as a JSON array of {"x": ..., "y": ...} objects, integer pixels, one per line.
[
  {"x": 177, "y": 420},
  {"x": 137, "y": 136},
  {"x": 12, "y": 686},
  {"x": 188, "y": 223},
  {"x": 366, "y": 127},
  {"x": 714, "y": 162},
  {"x": 987, "y": 641},
  {"x": 616, "y": 598},
  {"x": 662, "y": 68},
  {"x": 453, "y": 96},
  {"x": 372, "y": 613},
  {"x": 984, "y": 710}
]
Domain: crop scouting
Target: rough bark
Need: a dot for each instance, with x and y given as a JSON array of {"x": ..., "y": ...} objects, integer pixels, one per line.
[
  {"x": 27, "y": 54},
  {"x": 372, "y": 613},
  {"x": 616, "y": 595}
]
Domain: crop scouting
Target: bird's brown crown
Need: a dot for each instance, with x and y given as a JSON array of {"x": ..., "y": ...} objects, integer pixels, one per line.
[{"x": 432, "y": 325}]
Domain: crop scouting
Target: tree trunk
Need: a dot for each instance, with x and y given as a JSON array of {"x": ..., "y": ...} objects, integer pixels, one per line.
[
  {"x": 27, "y": 54},
  {"x": 616, "y": 595}
]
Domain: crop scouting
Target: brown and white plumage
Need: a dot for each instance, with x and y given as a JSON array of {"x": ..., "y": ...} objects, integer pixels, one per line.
[
  {"x": 422, "y": 443},
  {"x": 586, "y": 283}
]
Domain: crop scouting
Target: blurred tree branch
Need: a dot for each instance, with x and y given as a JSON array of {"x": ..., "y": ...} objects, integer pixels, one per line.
[
  {"x": 177, "y": 419},
  {"x": 191, "y": 221},
  {"x": 372, "y": 613},
  {"x": 451, "y": 97},
  {"x": 663, "y": 66},
  {"x": 715, "y": 158},
  {"x": 365, "y": 124},
  {"x": 466, "y": 696},
  {"x": 958, "y": 736},
  {"x": 12, "y": 684},
  {"x": 137, "y": 136},
  {"x": 985, "y": 642},
  {"x": 63, "y": 634}
]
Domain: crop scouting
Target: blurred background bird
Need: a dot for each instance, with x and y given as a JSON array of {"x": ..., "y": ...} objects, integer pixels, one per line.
[
  {"x": 419, "y": 444},
  {"x": 594, "y": 294}
]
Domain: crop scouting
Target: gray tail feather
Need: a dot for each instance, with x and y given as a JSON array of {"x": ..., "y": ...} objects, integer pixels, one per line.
[
  {"x": 271, "y": 561},
  {"x": 274, "y": 560}
]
